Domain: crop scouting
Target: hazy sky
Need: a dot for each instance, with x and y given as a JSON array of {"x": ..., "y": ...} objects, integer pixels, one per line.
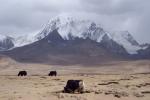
[{"x": 30, "y": 16}]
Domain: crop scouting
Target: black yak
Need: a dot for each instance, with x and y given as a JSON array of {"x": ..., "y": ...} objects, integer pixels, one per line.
[
  {"x": 52, "y": 73},
  {"x": 22, "y": 73},
  {"x": 73, "y": 86}
]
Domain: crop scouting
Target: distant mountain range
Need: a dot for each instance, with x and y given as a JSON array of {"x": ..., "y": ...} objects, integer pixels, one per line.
[{"x": 68, "y": 40}]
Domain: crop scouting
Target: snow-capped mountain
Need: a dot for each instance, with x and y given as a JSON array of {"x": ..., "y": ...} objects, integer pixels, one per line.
[
  {"x": 70, "y": 28},
  {"x": 69, "y": 40},
  {"x": 66, "y": 26},
  {"x": 6, "y": 43},
  {"x": 23, "y": 40},
  {"x": 125, "y": 39}
]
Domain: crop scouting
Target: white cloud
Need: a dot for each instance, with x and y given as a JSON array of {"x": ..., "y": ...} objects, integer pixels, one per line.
[{"x": 28, "y": 16}]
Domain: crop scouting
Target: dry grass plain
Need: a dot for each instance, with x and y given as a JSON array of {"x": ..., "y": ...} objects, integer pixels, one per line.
[{"x": 115, "y": 81}]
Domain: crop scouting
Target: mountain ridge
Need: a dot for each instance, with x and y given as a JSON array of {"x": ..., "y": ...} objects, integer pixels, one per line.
[
  {"x": 70, "y": 27},
  {"x": 64, "y": 52},
  {"x": 83, "y": 40}
]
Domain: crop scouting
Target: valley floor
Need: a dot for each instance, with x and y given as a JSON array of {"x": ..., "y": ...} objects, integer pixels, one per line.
[
  {"x": 114, "y": 81},
  {"x": 98, "y": 87}
]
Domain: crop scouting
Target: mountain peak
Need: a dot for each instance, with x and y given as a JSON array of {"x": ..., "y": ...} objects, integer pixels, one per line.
[
  {"x": 66, "y": 25},
  {"x": 69, "y": 28},
  {"x": 6, "y": 43},
  {"x": 129, "y": 37},
  {"x": 125, "y": 39}
]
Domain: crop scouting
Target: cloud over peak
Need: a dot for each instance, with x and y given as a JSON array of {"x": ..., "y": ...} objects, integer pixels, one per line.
[{"x": 28, "y": 16}]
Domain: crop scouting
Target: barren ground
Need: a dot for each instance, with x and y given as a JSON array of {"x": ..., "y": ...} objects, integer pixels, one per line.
[{"x": 115, "y": 81}]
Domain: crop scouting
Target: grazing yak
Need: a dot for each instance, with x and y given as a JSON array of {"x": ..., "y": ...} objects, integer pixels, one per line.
[
  {"x": 52, "y": 73},
  {"x": 22, "y": 73},
  {"x": 73, "y": 86}
]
